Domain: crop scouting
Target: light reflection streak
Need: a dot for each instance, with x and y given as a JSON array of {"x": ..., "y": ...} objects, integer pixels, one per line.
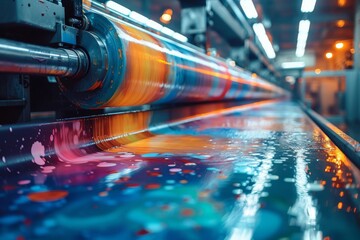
[
  {"x": 304, "y": 208},
  {"x": 244, "y": 213}
]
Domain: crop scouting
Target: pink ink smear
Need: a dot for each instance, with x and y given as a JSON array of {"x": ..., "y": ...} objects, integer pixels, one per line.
[
  {"x": 38, "y": 151},
  {"x": 24, "y": 182},
  {"x": 175, "y": 169},
  {"x": 106, "y": 164}
]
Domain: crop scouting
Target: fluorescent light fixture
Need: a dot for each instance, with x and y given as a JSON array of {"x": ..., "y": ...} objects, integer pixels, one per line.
[
  {"x": 260, "y": 32},
  {"x": 167, "y": 31},
  {"x": 154, "y": 25},
  {"x": 249, "y": 8},
  {"x": 300, "y": 52},
  {"x": 180, "y": 37},
  {"x": 138, "y": 17},
  {"x": 117, "y": 8},
  {"x": 292, "y": 65},
  {"x": 304, "y": 27},
  {"x": 308, "y": 5}
]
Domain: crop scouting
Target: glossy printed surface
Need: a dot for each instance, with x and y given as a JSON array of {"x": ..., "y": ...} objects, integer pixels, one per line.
[{"x": 262, "y": 171}]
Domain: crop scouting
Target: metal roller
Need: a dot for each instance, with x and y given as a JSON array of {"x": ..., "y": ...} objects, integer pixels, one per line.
[
  {"x": 118, "y": 64},
  {"x": 25, "y": 58},
  {"x": 144, "y": 68}
]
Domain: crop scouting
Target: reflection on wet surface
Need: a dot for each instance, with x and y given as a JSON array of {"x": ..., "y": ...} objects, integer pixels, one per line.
[{"x": 262, "y": 173}]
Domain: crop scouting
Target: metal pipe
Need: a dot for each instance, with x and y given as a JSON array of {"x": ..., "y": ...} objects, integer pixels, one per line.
[{"x": 17, "y": 57}]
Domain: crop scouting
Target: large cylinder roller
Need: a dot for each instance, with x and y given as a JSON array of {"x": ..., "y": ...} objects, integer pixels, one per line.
[
  {"x": 144, "y": 68},
  {"x": 119, "y": 64}
]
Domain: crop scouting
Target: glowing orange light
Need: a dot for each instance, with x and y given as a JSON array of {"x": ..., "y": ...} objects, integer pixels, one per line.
[
  {"x": 340, "y": 23},
  {"x": 341, "y": 3},
  {"x": 339, "y": 45},
  {"x": 328, "y": 55},
  {"x": 254, "y": 75},
  {"x": 341, "y": 194},
  {"x": 340, "y": 205},
  {"x": 352, "y": 51},
  {"x": 318, "y": 71},
  {"x": 166, "y": 16}
]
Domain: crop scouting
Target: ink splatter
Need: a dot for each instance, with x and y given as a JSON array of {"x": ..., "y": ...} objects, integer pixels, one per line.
[
  {"x": 47, "y": 196},
  {"x": 38, "y": 152}
]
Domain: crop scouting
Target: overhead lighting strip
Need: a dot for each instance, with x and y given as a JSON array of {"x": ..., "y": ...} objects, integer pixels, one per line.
[
  {"x": 304, "y": 27},
  {"x": 260, "y": 33},
  {"x": 249, "y": 8},
  {"x": 308, "y": 6},
  {"x": 142, "y": 20}
]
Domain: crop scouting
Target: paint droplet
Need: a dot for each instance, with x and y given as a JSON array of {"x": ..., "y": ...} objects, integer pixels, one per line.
[
  {"x": 190, "y": 164},
  {"x": 106, "y": 164},
  {"x": 24, "y": 182},
  {"x": 273, "y": 177},
  {"x": 38, "y": 151},
  {"x": 47, "y": 196},
  {"x": 237, "y": 191},
  {"x": 103, "y": 194},
  {"x": 290, "y": 180},
  {"x": 264, "y": 194},
  {"x": 152, "y": 186},
  {"x": 175, "y": 169},
  {"x": 142, "y": 232},
  {"x": 187, "y": 212},
  {"x": 48, "y": 169},
  {"x": 315, "y": 187},
  {"x": 127, "y": 155}
]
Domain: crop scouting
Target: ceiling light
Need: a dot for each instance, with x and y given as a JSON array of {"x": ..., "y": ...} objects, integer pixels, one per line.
[
  {"x": 304, "y": 26},
  {"x": 339, "y": 45},
  {"x": 328, "y": 55},
  {"x": 166, "y": 16},
  {"x": 117, "y": 8},
  {"x": 340, "y": 23},
  {"x": 138, "y": 17},
  {"x": 341, "y": 3},
  {"x": 308, "y": 5},
  {"x": 290, "y": 79},
  {"x": 249, "y": 8},
  {"x": 292, "y": 65},
  {"x": 260, "y": 32},
  {"x": 318, "y": 71}
]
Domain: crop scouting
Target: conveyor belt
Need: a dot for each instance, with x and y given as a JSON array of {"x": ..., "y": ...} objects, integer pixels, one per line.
[{"x": 256, "y": 171}]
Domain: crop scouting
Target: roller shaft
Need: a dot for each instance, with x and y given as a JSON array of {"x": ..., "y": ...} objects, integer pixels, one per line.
[{"x": 17, "y": 57}]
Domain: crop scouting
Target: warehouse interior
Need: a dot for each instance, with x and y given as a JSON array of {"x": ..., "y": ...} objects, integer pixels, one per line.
[{"x": 179, "y": 119}]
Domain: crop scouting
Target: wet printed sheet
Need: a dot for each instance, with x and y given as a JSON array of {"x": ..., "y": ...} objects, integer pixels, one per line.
[{"x": 263, "y": 172}]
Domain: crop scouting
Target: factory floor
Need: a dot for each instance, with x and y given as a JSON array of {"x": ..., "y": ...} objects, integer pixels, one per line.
[{"x": 256, "y": 171}]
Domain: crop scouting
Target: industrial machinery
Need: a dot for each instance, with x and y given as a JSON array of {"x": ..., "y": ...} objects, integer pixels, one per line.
[{"x": 156, "y": 149}]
